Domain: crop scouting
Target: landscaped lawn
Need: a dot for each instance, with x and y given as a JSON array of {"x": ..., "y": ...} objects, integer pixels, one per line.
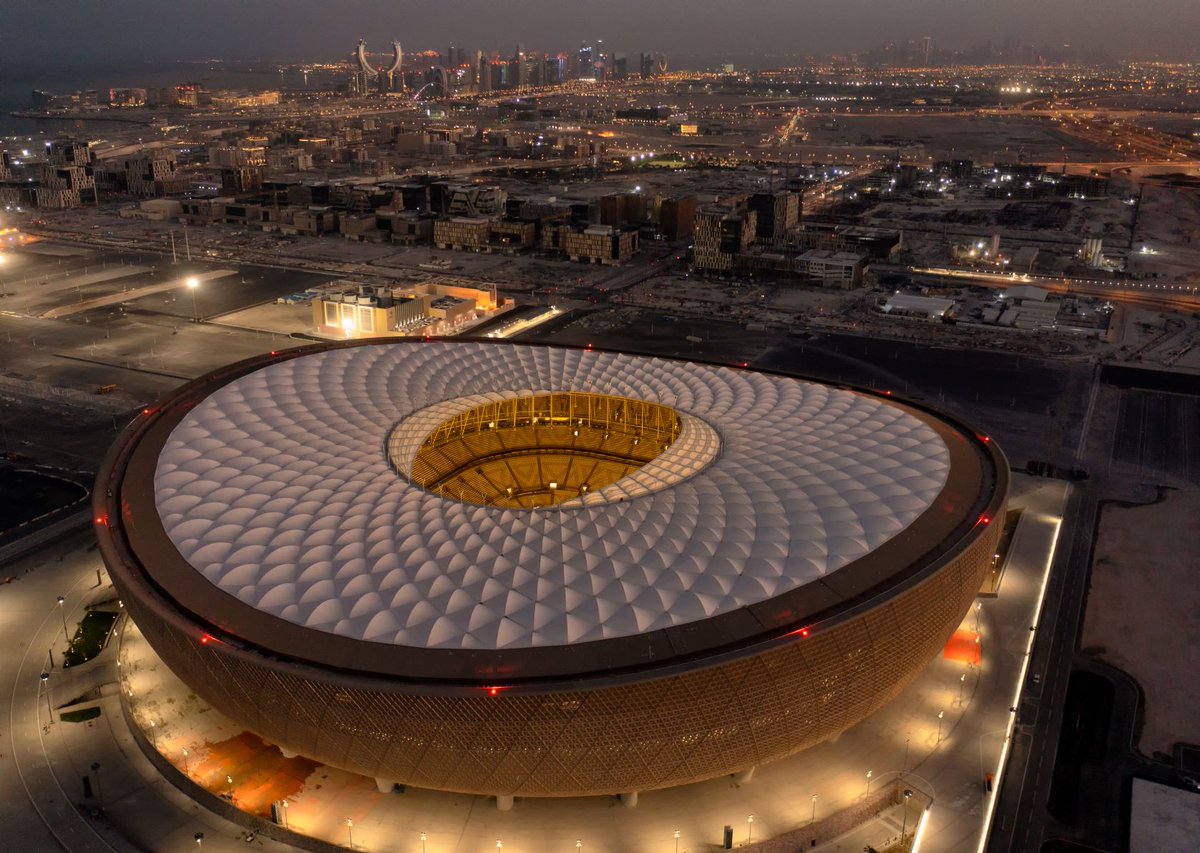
[{"x": 89, "y": 637}]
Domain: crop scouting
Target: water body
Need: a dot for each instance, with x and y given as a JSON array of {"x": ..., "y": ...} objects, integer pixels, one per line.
[{"x": 18, "y": 82}]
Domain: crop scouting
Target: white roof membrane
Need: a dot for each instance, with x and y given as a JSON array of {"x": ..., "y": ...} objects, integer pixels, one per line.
[{"x": 278, "y": 490}]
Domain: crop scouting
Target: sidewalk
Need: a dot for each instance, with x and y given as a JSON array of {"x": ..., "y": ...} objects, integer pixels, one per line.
[{"x": 146, "y": 811}]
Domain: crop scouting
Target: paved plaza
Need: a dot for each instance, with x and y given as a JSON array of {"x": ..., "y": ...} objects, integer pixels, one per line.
[{"x": 939, "y": 739}]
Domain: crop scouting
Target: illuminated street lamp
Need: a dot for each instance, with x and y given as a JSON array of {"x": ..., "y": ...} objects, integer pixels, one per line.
[
  {"x": 199, "y": 836},
  {"x": 423, "y": 839},
  {"x": 62, "y": 610},
  {"x": 350, "y": 831},
  {"x": 677, "y": 841},
  {"x": 284, "y": 803},
  {"x": 870, "y": 773},
  {"x": 940, "y": 715},
  {"x": 192, "y": 284},
  {"x": 814, "y": 811},
  {"x": 749, "y": 828},
  {"x": 46, "y": 690},
  {"x": 229, "y": 782},
  {"x": 185, "y": 762},
  {"x": 904, "y": 825}
]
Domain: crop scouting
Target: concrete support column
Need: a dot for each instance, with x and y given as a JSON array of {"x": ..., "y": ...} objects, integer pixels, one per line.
[
  {"x": 629, "y": 800},
  {"x": 504, "y": 802},
  {"x": 745, "y": 776}
]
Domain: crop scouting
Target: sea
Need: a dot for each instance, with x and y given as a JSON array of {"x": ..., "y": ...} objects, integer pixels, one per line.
[{"x": 17, "y": 84}]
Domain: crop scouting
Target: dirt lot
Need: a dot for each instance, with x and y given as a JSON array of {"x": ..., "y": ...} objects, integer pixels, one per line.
[{"x": 1141, "y": 611}]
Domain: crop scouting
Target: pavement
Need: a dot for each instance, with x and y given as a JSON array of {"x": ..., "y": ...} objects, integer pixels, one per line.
[{"x": 143, "y": 809}]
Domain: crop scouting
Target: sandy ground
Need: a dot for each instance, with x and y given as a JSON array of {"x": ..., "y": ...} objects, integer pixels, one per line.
[
  {"x": 1141, "y": 610},
  {"x": 1163, "y": 819}
]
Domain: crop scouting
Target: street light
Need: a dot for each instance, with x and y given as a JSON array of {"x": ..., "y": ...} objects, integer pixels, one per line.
[
  {"x": 814, "y": 812},
  {"x": 153, "y": 734},
  {"x": 904, "y": 825},
  {"x": 229, "y": 782},
  {"x": 578, "y": 843},
  {"x": 46, "y": 690},
  {"x": 99, "y": 792},
  {"x": 423, "y": 838},
  {"x": 677, "y": 841},
  {"x": 940, "y": 715},
  {"x": 199, "y": 836},
  {"x": 63, "y": 612},
  {"x": 749, "y": 828},
  {"x": 350, "y": 831},
  {"x": 192, "y": 284},
  {"x": 870, "y": 773},
  {"x": 185, "y": 762},
  {"x": 284, "y": 803}
]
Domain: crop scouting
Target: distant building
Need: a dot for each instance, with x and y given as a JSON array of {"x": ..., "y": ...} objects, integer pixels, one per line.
[
  {"x": 677, "y": 216},
  {"x": 720, "y": 234},
  {"x": 598, "y": 244},
  {"x": 155, "y": 173},
  {"x": 778, "y": 215}
]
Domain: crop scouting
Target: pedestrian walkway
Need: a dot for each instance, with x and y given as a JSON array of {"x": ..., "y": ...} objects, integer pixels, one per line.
[{"x": 940, "y": 736}]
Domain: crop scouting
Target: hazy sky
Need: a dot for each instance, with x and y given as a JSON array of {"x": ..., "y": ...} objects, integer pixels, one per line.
[{"x": 63, "y": 32}]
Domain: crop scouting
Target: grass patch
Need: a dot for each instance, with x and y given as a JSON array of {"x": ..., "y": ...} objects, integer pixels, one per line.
[
  {"x": 25, "y": 495},
  {"x": 80, "y": 716},
  {"x": 89, "y": 637}
]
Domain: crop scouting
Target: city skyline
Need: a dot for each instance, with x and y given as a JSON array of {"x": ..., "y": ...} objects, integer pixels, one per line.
[{"x": 305, "y": 30}]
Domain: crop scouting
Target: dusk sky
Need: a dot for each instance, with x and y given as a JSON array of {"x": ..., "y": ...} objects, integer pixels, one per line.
[{"x": 63, "y": 32}]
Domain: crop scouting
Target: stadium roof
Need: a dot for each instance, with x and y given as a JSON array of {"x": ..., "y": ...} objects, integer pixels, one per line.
[{"x": 277, "y": 488}]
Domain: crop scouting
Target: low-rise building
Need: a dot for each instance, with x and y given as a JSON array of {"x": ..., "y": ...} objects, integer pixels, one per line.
[{"x": 597, "y": 244}]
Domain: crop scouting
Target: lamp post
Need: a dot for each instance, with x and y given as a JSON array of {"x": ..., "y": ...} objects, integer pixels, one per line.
[
  {"x": 904, "y": 825},
  {"x": 153, "y": 734},
  {"x": 940, "y": 715},
  {"x": 907, "y": 738},
  {"x": 870, "y": 773},
  {"x": 185, "y": 762},
  {"x": 677, "y": 841},
  {"x": 423, "y": 839},
  {"x": 814, "y": 811},
  {"x": 578, "y": 843},
  {"x": 350, "y": 831},
  {"x": 962, "y": 682},
  {"x": 229, "y": 782},
  {"x": 62, "y": 610},
  {"x": 199, "y": 836},
  {"x": 749, "y": 828},
  {"x": 192, "y": 284},
  {"x": 284, "y": 803},
  {"x": 99, "y": 792},
  {"x": 46, "y": 690}
]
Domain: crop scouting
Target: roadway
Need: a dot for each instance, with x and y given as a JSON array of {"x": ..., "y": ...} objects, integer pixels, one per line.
[
  {"x": 1180, "y": 297},
  {"x": 1021, "y": 816}
]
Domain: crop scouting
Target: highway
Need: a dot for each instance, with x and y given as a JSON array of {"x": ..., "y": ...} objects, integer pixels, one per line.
[{"x": 1181, "y": 297}]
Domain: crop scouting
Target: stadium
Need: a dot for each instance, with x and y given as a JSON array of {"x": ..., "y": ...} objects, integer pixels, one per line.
[{"x": 522, "y": 570}]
